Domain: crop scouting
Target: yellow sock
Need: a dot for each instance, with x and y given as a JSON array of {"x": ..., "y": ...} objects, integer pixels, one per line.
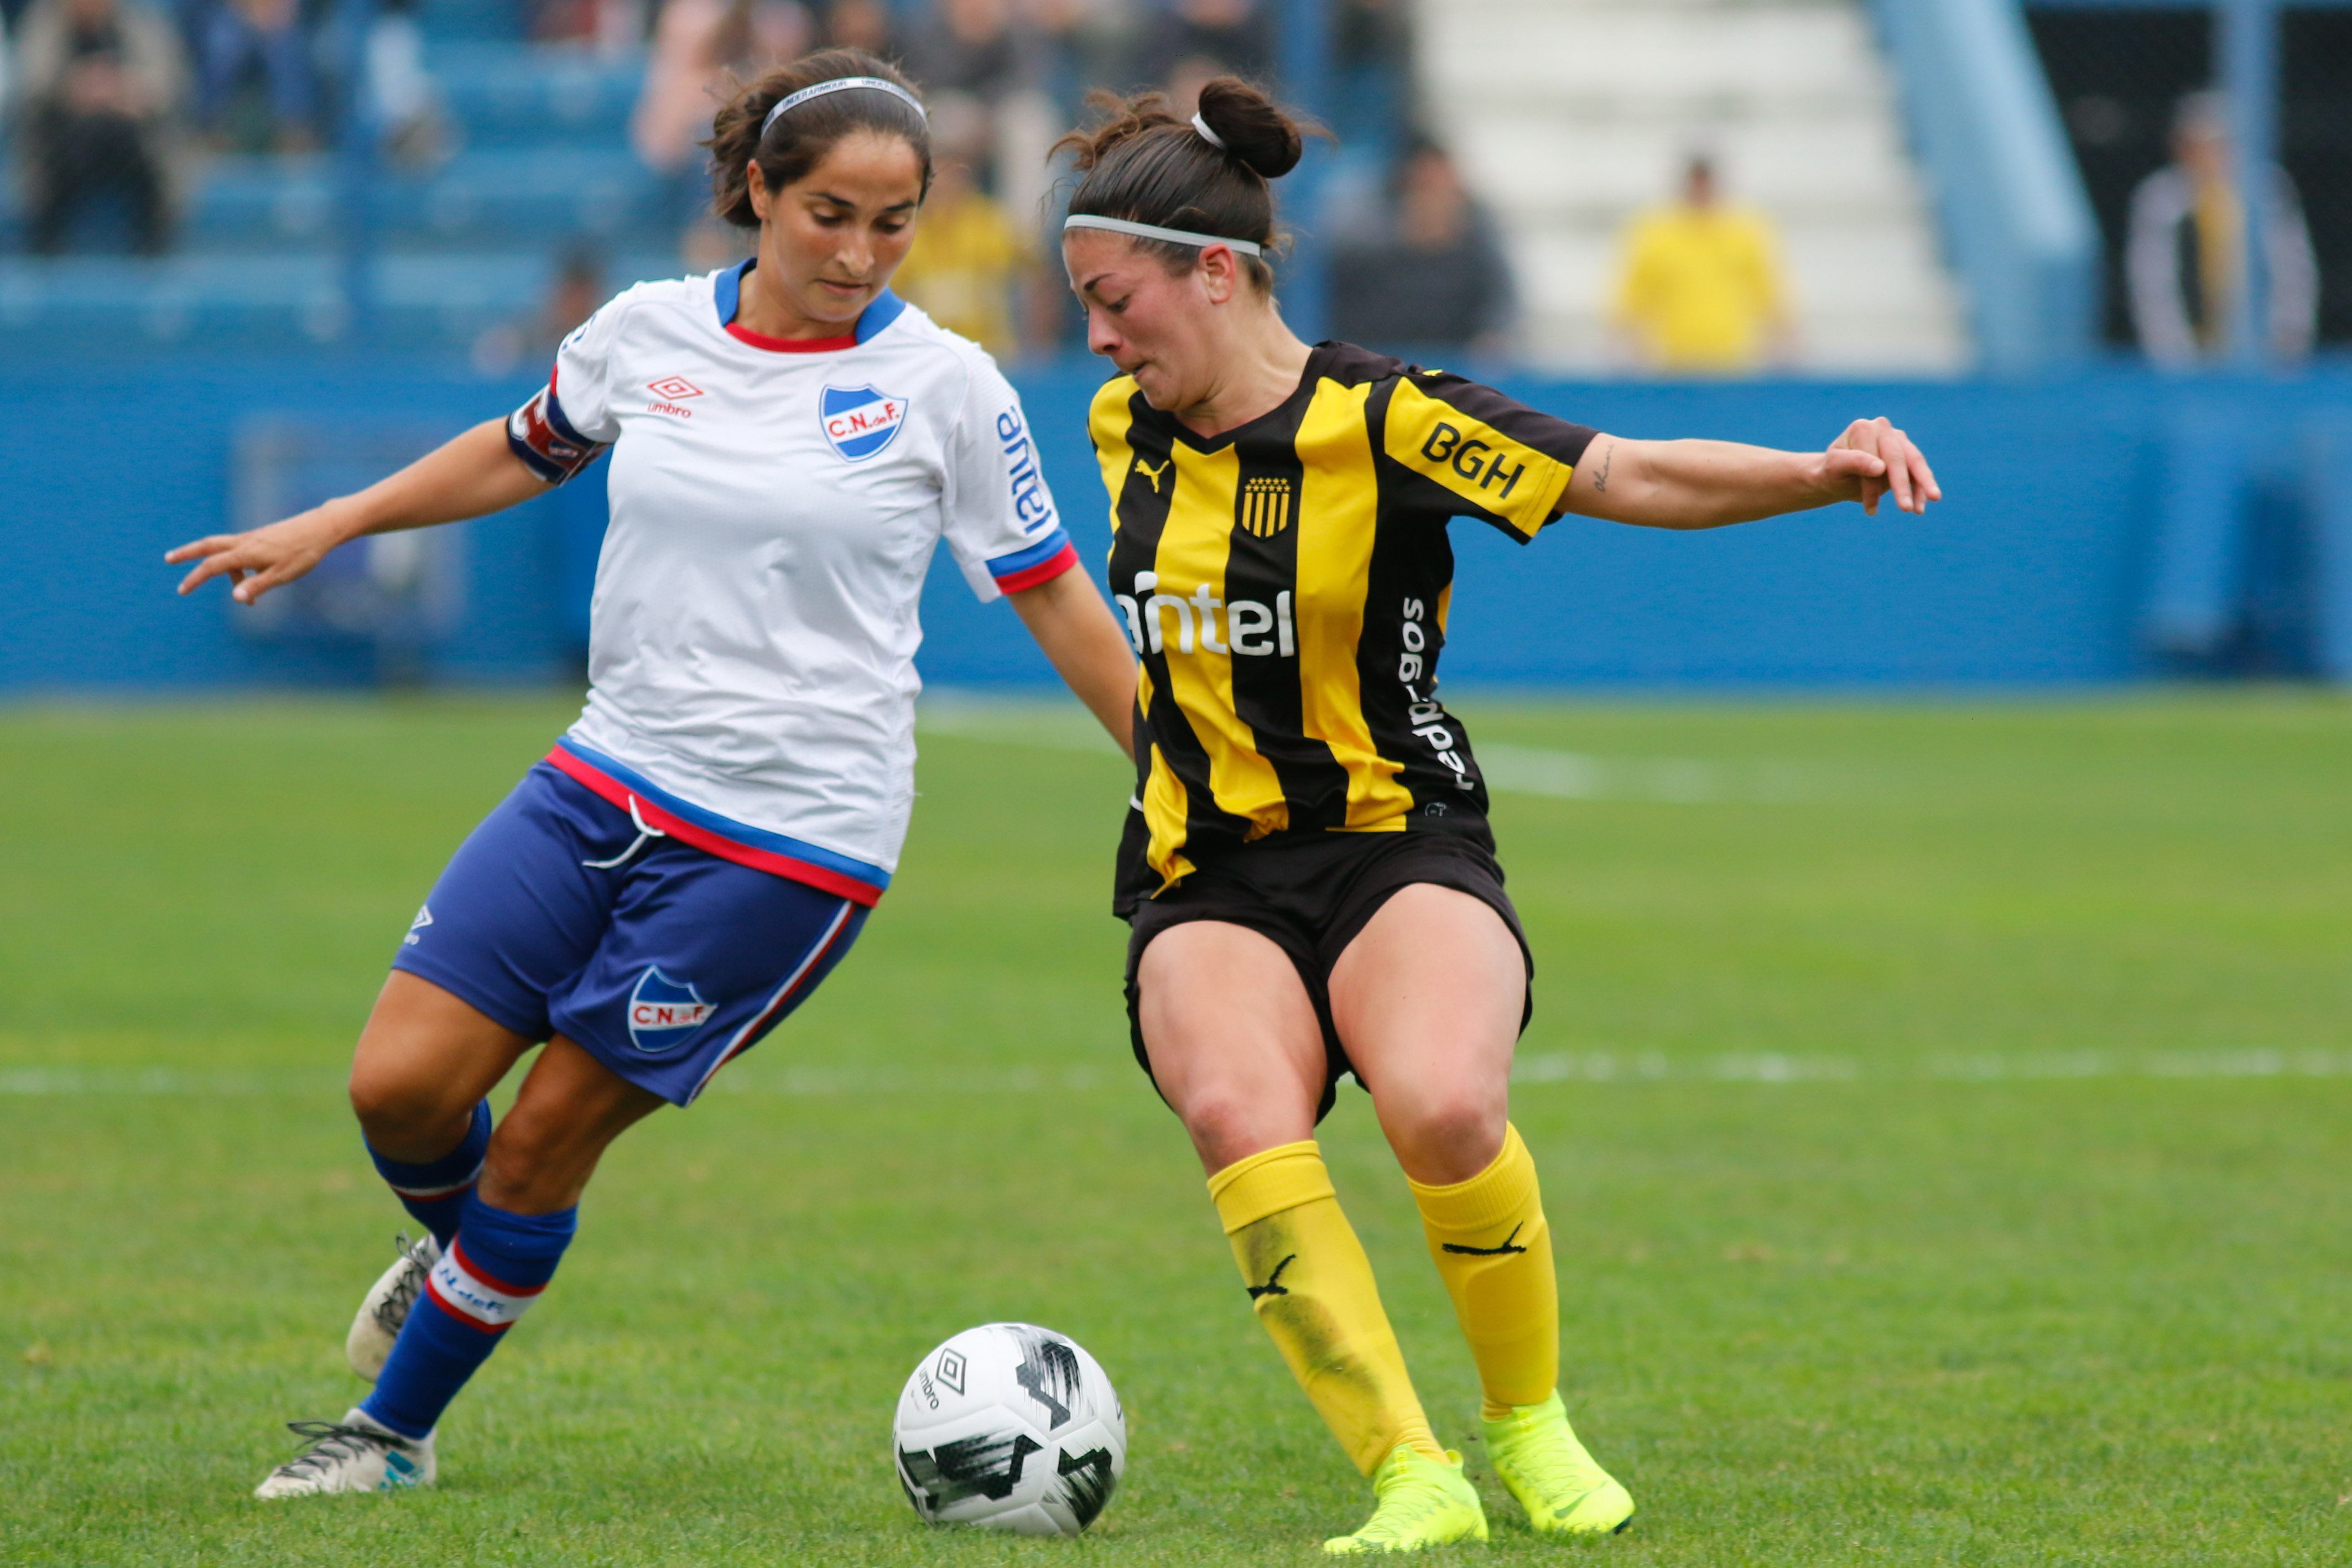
[
  {"x": 1312, "y": 1287},
  {"x": 1494, "y": 1251}
]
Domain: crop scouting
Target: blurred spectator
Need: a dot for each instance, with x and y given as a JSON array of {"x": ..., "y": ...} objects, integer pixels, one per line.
[
  {"x": 982, "y": 50},
  {"x": 1093, "y": 42},
  {"x": 614, "y": 26},
  {"x": 401, "y": 94},
  {"x": 970, "y": 259},
  {"x": 257, "y": 81},
  {"x": 1186, "y": 78},
  {"x": 1371, "y": 55},
  {"x": 98, "y": 79},
  {"x": 974, "y": 47},
  {"x": 698, "y": 46},
  {"x": 1238, "y": 35},
  {"x": 562, "y": 21},
  {"x": 858, "y": 24},
  {"x": 572, "y": 296},
  {"x": 1699, "y": 287},
  {"x": 1433, "y": 274},
  {"x": 2187, "y": 250}
]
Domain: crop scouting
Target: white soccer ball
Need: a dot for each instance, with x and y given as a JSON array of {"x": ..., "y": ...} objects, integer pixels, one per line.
[{"x": 1011, "y": 1427}]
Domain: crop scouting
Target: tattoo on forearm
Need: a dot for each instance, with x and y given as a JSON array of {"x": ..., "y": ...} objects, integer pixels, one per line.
[{"x": 1608, "y": 456}]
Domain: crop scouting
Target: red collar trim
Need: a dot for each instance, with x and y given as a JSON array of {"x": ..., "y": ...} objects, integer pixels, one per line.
[{"x": 791, "y": 345}]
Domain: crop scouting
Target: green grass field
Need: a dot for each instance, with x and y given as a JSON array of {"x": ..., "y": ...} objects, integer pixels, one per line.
[{"x": 1942, "y": 1111}]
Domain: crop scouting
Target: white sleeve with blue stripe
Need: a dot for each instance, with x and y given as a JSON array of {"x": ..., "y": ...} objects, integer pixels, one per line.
[{"x": 1000, "y": 521}]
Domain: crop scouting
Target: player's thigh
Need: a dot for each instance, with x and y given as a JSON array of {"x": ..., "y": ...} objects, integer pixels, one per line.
[
  {"x": 1428, "y": 999},
  {"x": 424, "y": 1060},
  {"x": 1233, "y": 1040},
  {"x": 512, "y": 915},
  {"x": 569, "y": 1109}
]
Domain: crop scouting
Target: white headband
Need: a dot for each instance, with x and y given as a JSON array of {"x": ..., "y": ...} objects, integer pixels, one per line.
[
  {"x": 842, "y": 84},
  {"x": 1152, "y": 231},
  {"x": 1207, "y": 135}
]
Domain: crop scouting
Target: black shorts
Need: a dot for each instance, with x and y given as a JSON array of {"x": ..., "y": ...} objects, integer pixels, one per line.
[{"x": 1310, "y": 895}]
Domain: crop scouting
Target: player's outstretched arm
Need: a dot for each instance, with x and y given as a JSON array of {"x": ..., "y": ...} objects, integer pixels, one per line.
[
  {"x": 476, "y": 473},
  {"x": 1708, "y": 483},
  {"x": 1071, "y": 623}
]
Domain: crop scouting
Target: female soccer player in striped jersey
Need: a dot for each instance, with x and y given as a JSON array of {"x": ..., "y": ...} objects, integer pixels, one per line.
[
  {"x": 1308, "y": 869},
  {"x": 790, "y": 442}
]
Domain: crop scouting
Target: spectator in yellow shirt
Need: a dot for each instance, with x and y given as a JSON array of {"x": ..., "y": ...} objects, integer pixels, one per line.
[
  {"x": 970, "y": 259},
  {"x": 1699, "y": 290}
]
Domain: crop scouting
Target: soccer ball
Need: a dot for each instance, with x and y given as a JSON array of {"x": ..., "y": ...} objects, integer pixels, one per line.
[{"x": 1012, "y": 1427}]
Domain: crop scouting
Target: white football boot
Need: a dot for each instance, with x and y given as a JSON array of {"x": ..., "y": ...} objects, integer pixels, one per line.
[
  {"x": 369, "y": 1343},
  {"x": 354, "y": 1454}
]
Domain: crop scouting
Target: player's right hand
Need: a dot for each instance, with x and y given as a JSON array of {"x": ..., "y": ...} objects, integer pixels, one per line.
[{"x": 256, "y": 562}]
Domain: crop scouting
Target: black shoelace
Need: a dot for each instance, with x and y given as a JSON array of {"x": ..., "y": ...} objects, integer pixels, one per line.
[
  {"x": 329, "y": 1442},
  {"x": 393, "y": 1310}
]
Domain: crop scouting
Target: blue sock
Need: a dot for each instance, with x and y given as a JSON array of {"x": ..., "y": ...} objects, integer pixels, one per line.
[
  {"x": 486, "y": 1279},
  {"x": 435, "y": 1192}
]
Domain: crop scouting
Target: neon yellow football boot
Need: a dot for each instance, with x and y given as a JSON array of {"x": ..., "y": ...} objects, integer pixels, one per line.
[
  {"x": 1536, "y": 1453},
  {"x": 1422, "y": 1503}
]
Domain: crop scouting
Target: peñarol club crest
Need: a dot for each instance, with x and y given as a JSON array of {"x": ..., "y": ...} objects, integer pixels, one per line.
[{"x": 860, "y": 422}]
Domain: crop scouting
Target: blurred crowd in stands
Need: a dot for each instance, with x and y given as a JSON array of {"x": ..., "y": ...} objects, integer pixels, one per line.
[{"x": 116, "y": 107}]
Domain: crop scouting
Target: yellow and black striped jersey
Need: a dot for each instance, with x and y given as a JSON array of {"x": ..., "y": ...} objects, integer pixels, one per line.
[{"x": 1286, "y": 586}]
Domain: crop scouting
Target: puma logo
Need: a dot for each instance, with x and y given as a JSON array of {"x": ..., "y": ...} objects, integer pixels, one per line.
[
  {"x": 1149, "y": 471},
  {"x": 1273, "y": 1285},
  {"x": 1492, "y": 1251}
]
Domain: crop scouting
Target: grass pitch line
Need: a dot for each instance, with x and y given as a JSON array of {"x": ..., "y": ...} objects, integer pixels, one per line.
[
  {"x": 1551, "y": 1067},
  {"x": 1514, "y": 770},
  {"x": 1772, "y": 1067}
]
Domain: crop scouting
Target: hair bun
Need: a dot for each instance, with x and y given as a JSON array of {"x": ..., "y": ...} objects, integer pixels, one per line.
[{"x": 1253, "y": 130}]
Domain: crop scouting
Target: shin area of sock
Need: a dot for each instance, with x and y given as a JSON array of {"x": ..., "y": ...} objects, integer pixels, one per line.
[
  {"x": 489, "y": 1276},
  {"x": 434, "y": 1192},
  {"x": 1313, "y": 1290},
  {"x": 1493, "y": 1249}
]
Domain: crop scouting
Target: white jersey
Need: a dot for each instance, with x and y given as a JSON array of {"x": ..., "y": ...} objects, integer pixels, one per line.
[{"x": 774, "y": 509}]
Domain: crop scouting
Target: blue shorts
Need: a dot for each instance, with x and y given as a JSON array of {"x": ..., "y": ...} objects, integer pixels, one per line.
[{"x": 664, "y": 966}]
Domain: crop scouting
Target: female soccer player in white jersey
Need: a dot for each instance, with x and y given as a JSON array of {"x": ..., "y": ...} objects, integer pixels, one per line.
[
  {"x": 790, "y": 442},
  {"x": 1308, "y": 870}
]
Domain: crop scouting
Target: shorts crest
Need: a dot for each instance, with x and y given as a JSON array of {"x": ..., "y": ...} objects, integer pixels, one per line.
[{"x": 662, "y": 1013}]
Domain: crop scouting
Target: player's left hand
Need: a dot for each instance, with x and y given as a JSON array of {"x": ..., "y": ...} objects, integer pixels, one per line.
[{"x": 1872, "y": 459}]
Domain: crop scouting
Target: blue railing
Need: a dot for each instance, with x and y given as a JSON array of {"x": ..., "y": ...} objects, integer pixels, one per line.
[{"x": 2016, "y": 220}]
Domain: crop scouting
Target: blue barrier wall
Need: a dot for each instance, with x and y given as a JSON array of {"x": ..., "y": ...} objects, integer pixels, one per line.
[{"x": 2040, "y": 568}]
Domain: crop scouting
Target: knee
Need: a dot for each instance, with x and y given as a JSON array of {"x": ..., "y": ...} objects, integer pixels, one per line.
[
  {"x": 1227, "y": 1127},
  {"x": 1448, "y": 1138},
  {"x": 395, "y": 1111}
]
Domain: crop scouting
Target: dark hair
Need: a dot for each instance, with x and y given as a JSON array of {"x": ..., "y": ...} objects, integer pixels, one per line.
[
  {"x": 796, "y": 143},
  {"x": 1145, "y": 165}
]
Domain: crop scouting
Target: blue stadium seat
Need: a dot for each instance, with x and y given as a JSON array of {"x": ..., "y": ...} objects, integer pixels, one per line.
[{"x": 540, "y": 164}]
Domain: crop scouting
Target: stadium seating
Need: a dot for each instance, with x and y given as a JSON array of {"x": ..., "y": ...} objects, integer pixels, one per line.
[
  {"x": 539, "y": 159},
  {"x": 1573, "y": 114}
]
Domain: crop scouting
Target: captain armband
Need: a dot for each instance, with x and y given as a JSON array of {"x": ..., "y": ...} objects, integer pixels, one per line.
[{"x": 540, "y": 435}]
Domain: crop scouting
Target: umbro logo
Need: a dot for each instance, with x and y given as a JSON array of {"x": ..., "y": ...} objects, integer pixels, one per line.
[
  {"x": 1273, "y": 1285},
  {"x": 673, "y": 387},
  {"x": 1492, "y": 1251}
]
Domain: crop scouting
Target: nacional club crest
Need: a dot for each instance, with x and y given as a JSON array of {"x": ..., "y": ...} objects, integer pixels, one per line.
[
  {"x": 662, "y": 1013},
  {"x": 860, "y": 422}
]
